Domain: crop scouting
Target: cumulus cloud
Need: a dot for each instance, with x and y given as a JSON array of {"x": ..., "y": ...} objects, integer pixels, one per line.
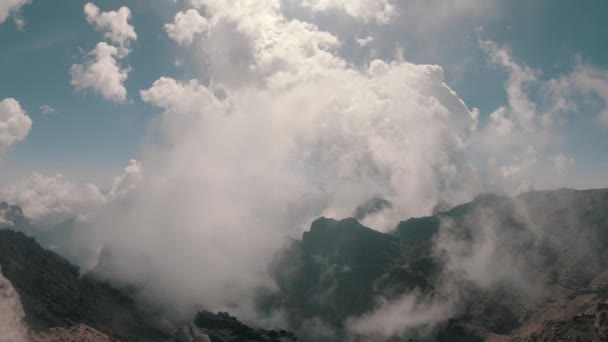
[
  {"x": 185, "y": 26},
  {"x": 114, "y": 24},
  {"x": 285, "y": 131},
  {"x": 102, "y": 73},
  {"x": 8, "y": 7},
  {"x": 381, "y": 11},
  {"x": 15, "y": 124},
  {"x": 52, "y": 199}
]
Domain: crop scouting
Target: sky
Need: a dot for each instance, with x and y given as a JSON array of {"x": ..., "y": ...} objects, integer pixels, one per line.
[
  {"x": 90, "y": 138},
  {"x": 184, "y": 129}
]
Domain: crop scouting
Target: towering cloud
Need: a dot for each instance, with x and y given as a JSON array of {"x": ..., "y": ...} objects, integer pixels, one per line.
[{"x": 15, "y": 124}]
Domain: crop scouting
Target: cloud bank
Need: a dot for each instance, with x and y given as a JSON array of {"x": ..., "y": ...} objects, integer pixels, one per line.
[{"x": 51, "y": 199}]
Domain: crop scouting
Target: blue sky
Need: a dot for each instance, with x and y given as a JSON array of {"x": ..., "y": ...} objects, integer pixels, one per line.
[
  {"x": 89, "y": 137},
  {"x": 86, "y": 133}
]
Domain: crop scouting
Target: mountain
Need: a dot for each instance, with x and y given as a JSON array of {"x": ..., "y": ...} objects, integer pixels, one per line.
[
  {"x": 526, "y": 268},
  {"x": 558, "y": 241},
  {"x": 339, "y": 267}
]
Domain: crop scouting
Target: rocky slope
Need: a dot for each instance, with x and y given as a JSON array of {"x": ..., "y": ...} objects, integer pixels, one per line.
[
  {"x": 44, "y": 298},
  {"x": 79, "y": 333},
  {"x": 55, "y": 295}
]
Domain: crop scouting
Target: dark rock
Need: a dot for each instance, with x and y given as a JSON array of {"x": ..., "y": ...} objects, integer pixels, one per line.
[
  {"x": 222, "y": 327},
  {"x": 371, "y": 206}
]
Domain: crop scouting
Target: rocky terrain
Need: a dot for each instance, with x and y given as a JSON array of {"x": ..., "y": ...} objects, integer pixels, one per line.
[
  {"x": 558, "y": 290},
  {"x": 530, "y": 268},
  {"x": 79, "y": 333},
  {"x": 60, "y": 304}
]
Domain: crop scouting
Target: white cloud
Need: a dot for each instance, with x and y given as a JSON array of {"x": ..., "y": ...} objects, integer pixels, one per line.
[
  {"x": 380, "y": 11},
  {"x": 586, "y": 82},
  {"x": 185, "y": 26},
  {"x": 179, "y": 97},
  {"x": 114, "y": 24},
  {"x": 8, "y": 7},
  {"x": 52, "y": 199},
  {"x": 46, "y": 109},
  {"x": 15, "y": 124},
  {"x": 128, "y": 181},
  {"x": 296, "y": 133},
  {"x": 102, "y": 74},
  {"x": 523, "y": 110}
]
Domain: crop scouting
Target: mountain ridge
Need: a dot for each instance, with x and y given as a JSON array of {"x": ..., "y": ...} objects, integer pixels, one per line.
[{"x": 341, "y": 270}]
